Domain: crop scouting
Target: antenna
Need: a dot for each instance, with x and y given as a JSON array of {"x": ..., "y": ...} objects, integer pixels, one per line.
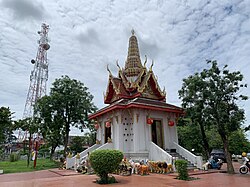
[{"x": 39, "y": 75}]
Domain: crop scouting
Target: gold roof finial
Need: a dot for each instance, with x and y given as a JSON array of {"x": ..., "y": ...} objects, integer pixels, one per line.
[{"x": 133, "y": 32}]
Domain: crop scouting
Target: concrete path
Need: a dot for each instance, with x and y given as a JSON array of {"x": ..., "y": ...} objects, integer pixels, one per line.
[{"x": 65, "y": 178}]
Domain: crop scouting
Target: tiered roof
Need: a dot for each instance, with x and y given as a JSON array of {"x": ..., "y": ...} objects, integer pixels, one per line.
[
  {"x": 135, "y": 87},
  {"x": 134, "y": 80}
]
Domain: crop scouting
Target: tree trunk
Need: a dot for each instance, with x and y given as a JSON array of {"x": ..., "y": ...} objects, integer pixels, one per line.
[
  {"x": 52, "y": 151},
  {"x": 29, "y": 152},
  {"x": 204, "y": 140},
  {"x": 104, "y": 178},
  {"x": 230, "y": 168},
  {"x": 66, "y": 139}
]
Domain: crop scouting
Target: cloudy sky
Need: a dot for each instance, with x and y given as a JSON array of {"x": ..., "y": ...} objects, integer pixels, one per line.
[{"x": 85, "y": 36}]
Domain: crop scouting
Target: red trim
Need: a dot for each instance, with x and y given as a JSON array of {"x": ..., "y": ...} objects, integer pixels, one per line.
[
  {"x": 92, "y": 116},
  {"x": 110, "y": 91},
  {"x": 130, "y": 97},
  {"x": 153, "y": 85}
]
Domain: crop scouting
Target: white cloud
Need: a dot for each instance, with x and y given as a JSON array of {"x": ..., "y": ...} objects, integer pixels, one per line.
[
  {"x": 87, "y": 35},
  {"x": 23, "y": 9}
]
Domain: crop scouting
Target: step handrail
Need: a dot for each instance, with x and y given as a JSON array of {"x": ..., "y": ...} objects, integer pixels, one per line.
[
  {"x": 193, "y": 159},
  {"x": 158, "y": 154}
]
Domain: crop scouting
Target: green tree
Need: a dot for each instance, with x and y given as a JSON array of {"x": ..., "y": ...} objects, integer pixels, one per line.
[
  {"x": 5, "y": 125},
  {"x": 184, "y": 134},
  {"x": 70, "y": 103},
  {"x": 238, "y": 142},
  {"x": 50, "y": 126},
  {"x": 30, "y": 126},
  {"x": 192, "y": 93},
  {"x": 77, "y": 143},
  {"x": 91, "y": 136},
  {"x": 212, "y": 96}
]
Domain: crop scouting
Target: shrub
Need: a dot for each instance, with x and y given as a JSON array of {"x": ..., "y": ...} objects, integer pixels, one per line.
[
  {"x": 181, "y": 166},
  {"x": 14, "y": 157},
  {"x": 104, "y": 162}
]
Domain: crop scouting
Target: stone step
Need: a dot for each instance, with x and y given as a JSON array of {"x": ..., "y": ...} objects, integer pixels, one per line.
[
  {"x": 179, "y": 157},
  {"x": 132, "y": 155}
]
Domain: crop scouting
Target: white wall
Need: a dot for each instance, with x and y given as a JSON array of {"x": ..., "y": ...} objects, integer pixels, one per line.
[{"x": 137, "y": 132}]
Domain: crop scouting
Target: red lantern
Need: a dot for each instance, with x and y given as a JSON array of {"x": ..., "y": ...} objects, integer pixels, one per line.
[
  {"x": 171, "y": 123},
  {"x": 108, "y": 124},
  {"x": 96, "y": 126},
  {"x": 150, "y": 121}
]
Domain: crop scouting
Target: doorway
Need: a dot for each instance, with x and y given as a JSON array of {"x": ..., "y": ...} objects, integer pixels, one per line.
[
  {"x": 157, "y": 133},
  {"x": 107, "y": 134}
]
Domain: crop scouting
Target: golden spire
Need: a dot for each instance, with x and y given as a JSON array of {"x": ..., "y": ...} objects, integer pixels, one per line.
[{"x": 133, "y": 64}]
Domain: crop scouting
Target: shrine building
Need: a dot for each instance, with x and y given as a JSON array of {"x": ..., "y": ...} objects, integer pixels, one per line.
[{"x": 137, "y": 119}]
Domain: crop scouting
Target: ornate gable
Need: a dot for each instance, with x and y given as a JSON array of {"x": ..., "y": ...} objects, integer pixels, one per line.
[{"x": 134, "y": 80}]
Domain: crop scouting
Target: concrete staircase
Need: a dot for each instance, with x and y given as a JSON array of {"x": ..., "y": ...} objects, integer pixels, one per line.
[
  {"x": 137, "y": 156},
  {"x": 177, "y": 156}
]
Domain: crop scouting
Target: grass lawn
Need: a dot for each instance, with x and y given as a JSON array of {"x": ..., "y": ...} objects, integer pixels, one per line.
[{"x": 21, "y": 165}]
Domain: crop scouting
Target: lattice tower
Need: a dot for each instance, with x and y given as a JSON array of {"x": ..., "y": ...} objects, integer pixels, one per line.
[{"x": 39, "y": 75}]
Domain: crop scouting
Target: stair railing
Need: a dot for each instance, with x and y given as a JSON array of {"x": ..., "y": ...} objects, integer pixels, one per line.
[
  {"x": 158, "y": 154},
  {"x": 70, "y": 162},
  {"x": 193, "y": 159}
]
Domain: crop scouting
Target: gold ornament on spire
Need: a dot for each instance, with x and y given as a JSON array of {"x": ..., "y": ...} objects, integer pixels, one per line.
[
  {"x": 133, "y": 65},
  {"x": 133, "y": 32}
]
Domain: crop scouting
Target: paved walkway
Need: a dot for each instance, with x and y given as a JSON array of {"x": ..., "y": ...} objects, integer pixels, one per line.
[{"x": 65, "y": 178}]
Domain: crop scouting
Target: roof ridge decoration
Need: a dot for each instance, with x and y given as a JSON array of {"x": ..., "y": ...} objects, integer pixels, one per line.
[{"x": 110, "y": 74}]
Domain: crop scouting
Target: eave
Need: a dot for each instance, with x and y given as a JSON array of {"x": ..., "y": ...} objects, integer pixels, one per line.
[{"x": 171, "y": 108}]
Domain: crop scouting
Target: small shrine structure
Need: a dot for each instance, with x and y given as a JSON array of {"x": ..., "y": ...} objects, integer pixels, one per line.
[
  {"x": 137, "y": 119},
  {"x": 137, "y": 113}
]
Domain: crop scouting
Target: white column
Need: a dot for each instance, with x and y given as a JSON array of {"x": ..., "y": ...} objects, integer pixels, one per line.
[{"x": 136, "y": 131}]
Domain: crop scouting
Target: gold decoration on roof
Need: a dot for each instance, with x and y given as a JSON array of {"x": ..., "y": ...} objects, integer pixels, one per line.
[
  {"x": 145, "y": 61},
  {"x": 150, "y": 69},
  {"x": 118, "y": 65},
  {"x": 110, "y": 74},
  {"x": 133, "y": 64},
  {"x": 133, "y": 32},
  {"x": 134, "y": 80}
]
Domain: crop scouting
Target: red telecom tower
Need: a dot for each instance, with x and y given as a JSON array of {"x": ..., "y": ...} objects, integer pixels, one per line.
[{"x": 39, "y": 75}]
